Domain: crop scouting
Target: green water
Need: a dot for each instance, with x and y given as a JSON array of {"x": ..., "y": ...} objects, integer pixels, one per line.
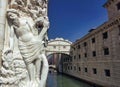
[{"x": 59, "y": 80}]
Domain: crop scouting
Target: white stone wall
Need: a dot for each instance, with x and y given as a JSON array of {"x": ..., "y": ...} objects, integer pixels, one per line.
[{"x": 58, "y": 45}]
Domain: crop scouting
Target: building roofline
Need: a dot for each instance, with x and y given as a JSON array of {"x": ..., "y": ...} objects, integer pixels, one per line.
[
  {"x": 105, "y": 25},
  {"x": 99, "y": 28}
]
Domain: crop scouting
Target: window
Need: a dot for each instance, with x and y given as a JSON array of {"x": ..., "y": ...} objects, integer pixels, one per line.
[
  {"x": 86, "y": 70},
  {"x": 106, "y": 51},
  {"x": 68, "y": 68},
  {"x": 85, "y": 55},
  {"x": 79, "y": 69},
  {"x": 64, "y": 47},
  {"x": 74, "y": 57},
  {"x": 107, "y": 72},
  {"x": 54, "y": 47},
  {"x": 93, "y": 40},
  {"x": 78, "y": 46},
  {"x": 118, "y": 6},
  {"x": 94, "y": 71},
  {"x": 94, "y": 53},
  {"x": 85, "y": 43},
  {"x": 105, "y": 35},
  {"x": 79, "y": 56}
]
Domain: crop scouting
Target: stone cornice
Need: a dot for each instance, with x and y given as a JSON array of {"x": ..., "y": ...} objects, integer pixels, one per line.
[{"x": 59, "y": 39}]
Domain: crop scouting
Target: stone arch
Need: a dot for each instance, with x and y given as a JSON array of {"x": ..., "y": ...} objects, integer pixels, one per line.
[{"x": 57, "y": 60}]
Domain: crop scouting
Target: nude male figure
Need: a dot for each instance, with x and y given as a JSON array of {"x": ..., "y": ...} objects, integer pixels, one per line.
[{"x": 30, "y": 46}]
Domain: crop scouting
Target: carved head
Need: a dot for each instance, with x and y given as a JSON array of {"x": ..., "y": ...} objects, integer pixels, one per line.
[
  {"x": 39, "y": 22},
  {"x": 12, "y": 14}
]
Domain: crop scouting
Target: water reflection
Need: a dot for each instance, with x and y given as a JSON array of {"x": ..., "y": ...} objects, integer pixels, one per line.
[{"x": 58, "y": 80}]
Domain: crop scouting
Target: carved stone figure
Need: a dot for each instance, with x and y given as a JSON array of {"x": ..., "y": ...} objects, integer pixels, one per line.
[{"x": 28, "y": 22}]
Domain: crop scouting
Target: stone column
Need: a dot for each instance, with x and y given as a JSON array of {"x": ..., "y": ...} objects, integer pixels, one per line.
[{"x": 3, "y": 8}]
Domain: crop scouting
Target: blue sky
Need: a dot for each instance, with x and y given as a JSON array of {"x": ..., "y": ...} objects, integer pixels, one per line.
[{"x": 72, "y": 19}]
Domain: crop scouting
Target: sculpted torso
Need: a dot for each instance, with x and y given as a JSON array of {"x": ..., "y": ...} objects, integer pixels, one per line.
[{"x": 23, "y": 32}]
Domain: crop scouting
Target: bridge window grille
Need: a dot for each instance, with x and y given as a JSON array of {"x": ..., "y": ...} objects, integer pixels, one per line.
[
  {"x": 64, "y": 47},
  {"x": 54, "y": 47}
]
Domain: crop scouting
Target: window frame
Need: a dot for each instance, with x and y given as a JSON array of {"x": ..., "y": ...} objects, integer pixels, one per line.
[
  {"x": 93, "y": 40},
  {"x": 94, "y": 71},
  {"x": 107, "y": 72},
  {"x": 105, "y": 35},
  {"x": 106, "y": 51}
]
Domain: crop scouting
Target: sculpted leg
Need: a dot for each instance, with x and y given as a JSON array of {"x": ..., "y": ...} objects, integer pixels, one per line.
[
  {"x": 30, "y": 68},
  {"x": 37, "y": 68},
  {"x": 44, "y": 71}
]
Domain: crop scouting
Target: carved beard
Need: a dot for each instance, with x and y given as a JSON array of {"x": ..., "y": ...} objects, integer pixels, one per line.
[{"x": 16, "y": 22}]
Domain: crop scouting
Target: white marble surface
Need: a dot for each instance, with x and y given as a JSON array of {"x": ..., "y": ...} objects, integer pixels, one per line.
[{"x": 24, "y": 61}]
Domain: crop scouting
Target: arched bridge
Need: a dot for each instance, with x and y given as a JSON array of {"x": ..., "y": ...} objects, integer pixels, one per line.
[{"x": 58, "y": 45}]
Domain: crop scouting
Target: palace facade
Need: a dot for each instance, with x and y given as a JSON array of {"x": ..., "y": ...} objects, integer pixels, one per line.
[{"x": 96, "y": 56}]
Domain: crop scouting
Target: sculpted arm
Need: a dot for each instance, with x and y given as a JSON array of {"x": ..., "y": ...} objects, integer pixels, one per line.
[{"x": 45, "y": 28}]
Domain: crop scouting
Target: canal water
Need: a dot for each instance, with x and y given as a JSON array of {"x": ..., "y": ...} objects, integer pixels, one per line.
[{"x": 59, "y": 80}]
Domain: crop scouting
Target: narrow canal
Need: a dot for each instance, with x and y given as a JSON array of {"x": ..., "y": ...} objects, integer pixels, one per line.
[{"x": 59, "y": 80}]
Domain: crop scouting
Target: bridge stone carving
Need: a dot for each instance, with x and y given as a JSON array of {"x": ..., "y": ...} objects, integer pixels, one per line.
[{"x": 58, "y": 45}]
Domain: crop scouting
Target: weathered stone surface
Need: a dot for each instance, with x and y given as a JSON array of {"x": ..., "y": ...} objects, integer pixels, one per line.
[{"x": 24, "y": 25}]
